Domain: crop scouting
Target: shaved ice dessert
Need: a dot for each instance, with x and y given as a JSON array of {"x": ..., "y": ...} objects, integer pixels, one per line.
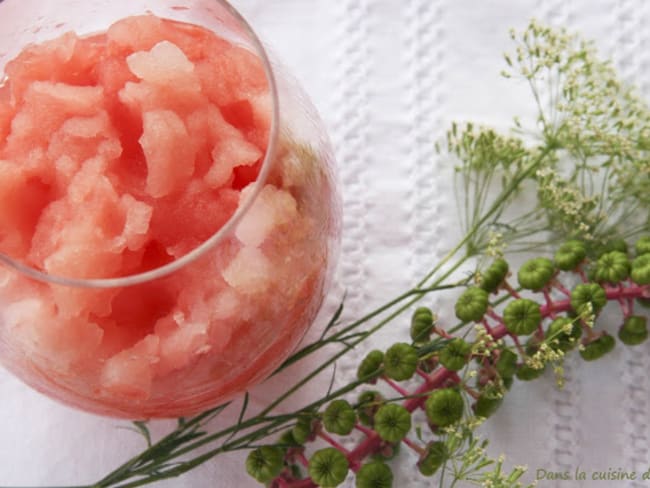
[{"x": 121, "y": 153}]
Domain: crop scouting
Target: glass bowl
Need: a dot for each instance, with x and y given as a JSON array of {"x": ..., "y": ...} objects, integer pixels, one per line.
[{"x": 132, "y": 285}]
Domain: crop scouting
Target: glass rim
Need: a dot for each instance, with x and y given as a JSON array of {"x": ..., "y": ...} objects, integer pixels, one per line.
[{"x": 223, "y": 231}]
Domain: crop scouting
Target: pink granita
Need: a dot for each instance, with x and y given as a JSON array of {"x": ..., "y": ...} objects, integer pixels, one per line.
[{"x": 121, "y": 153}]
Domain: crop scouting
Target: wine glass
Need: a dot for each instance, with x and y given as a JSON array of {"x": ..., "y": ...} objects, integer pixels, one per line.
[{"x": 132, "y": 285}]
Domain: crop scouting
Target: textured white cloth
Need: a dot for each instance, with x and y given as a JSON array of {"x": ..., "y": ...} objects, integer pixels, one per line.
[{"x": 388, "y": 76}]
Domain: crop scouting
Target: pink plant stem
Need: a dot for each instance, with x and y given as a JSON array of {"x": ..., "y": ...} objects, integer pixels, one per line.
[
  {"x": 583, "y": 275},
  {"x": 518, "y": 345},
  {"x": 561, "y": 287},
  {"x": 471, "y": 392},
  {"x": 413, "y": 445},
  {"x": 434, "y": 380},
  {"x": 332, "y": 442},
  {"x": 549, "y": 301},
  {"x": 511, "y": 290},
  {"x": 488, "y": 329},
  {"x": 487, "y": 366},
  {"x": 306, "y": 483},
  {"x": 499, "y": 332},
  {"x": 396, "y": 387},
  {"x": 555, "y": 307},
  {"x": 363, "y": 429},
  {"x": 442, "y": 333},
  {"x": 632, "y": 291},
  {"x": 422, "y": 374},
  {"x": 366, "y": 447},
  {"x": 280, "y": 483},
  {"x": 493, "y": 315},
  {"x": 303, "y": 460},
  {"x": 547, "y": 296}
]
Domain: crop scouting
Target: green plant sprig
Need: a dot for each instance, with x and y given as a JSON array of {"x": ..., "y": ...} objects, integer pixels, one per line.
[
  {"x": 585, "y": 160},
  {"x": 491, "y": 359},
  {"x": 595, "y": 181}
]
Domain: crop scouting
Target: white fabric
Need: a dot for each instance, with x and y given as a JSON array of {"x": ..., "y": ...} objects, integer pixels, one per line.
[{"x": 388, "y": 76}]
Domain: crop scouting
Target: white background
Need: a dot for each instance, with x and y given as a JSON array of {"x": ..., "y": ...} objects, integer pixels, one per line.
[{"x": 388, "y": 76}]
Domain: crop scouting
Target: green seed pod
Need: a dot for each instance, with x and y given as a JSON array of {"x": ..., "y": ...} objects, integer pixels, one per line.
[
  {"x": 434, "y": 457},
  {"x": 493, "y": 277},
  {"x": 287, "y": 439},
  {"x": 265, "y": 463},
  {"x": 612, "y": 267},
  {"x": 339, "y": 417},
  {"x": 526, "y": 373},
  {"x": 615, "y": 245},
  {"x": 522, "y": 316},
  {"x": 565, "y": 342},
  {"x": 486, "y": 405},
  {"x": 421, "y": 325},
  {"x": 642, "y": 246},
  {"x": 536, "y": 273},
  {"x": 374, "y": 475},
  {"x": 400, "y": 361},
  {"x": 570, "y": 254},
  {"x": 368, "y": 403},
  {"x": 455, "y": 354},
  {"x": 370, "y": 365},
  {"x": 303, "y": 430},
  {"x": 444, "y": 407},
  {"x": 641, "y": 270},
  {"x": 328, "y": 467},
  {"x": 392, "y": 422},
  {"x": 588, "y": 294},
  {"x": 472, "y": 305},
  {"x": 506, "y": 365},
  {"x": 598, "y": 348},
  {"x": 634, "y": 330}
]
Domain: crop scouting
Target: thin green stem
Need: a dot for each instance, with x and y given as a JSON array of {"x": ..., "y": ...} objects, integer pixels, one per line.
[
  {"x": 511, "y": 188},
  {"x": 335, "y": 338}
]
